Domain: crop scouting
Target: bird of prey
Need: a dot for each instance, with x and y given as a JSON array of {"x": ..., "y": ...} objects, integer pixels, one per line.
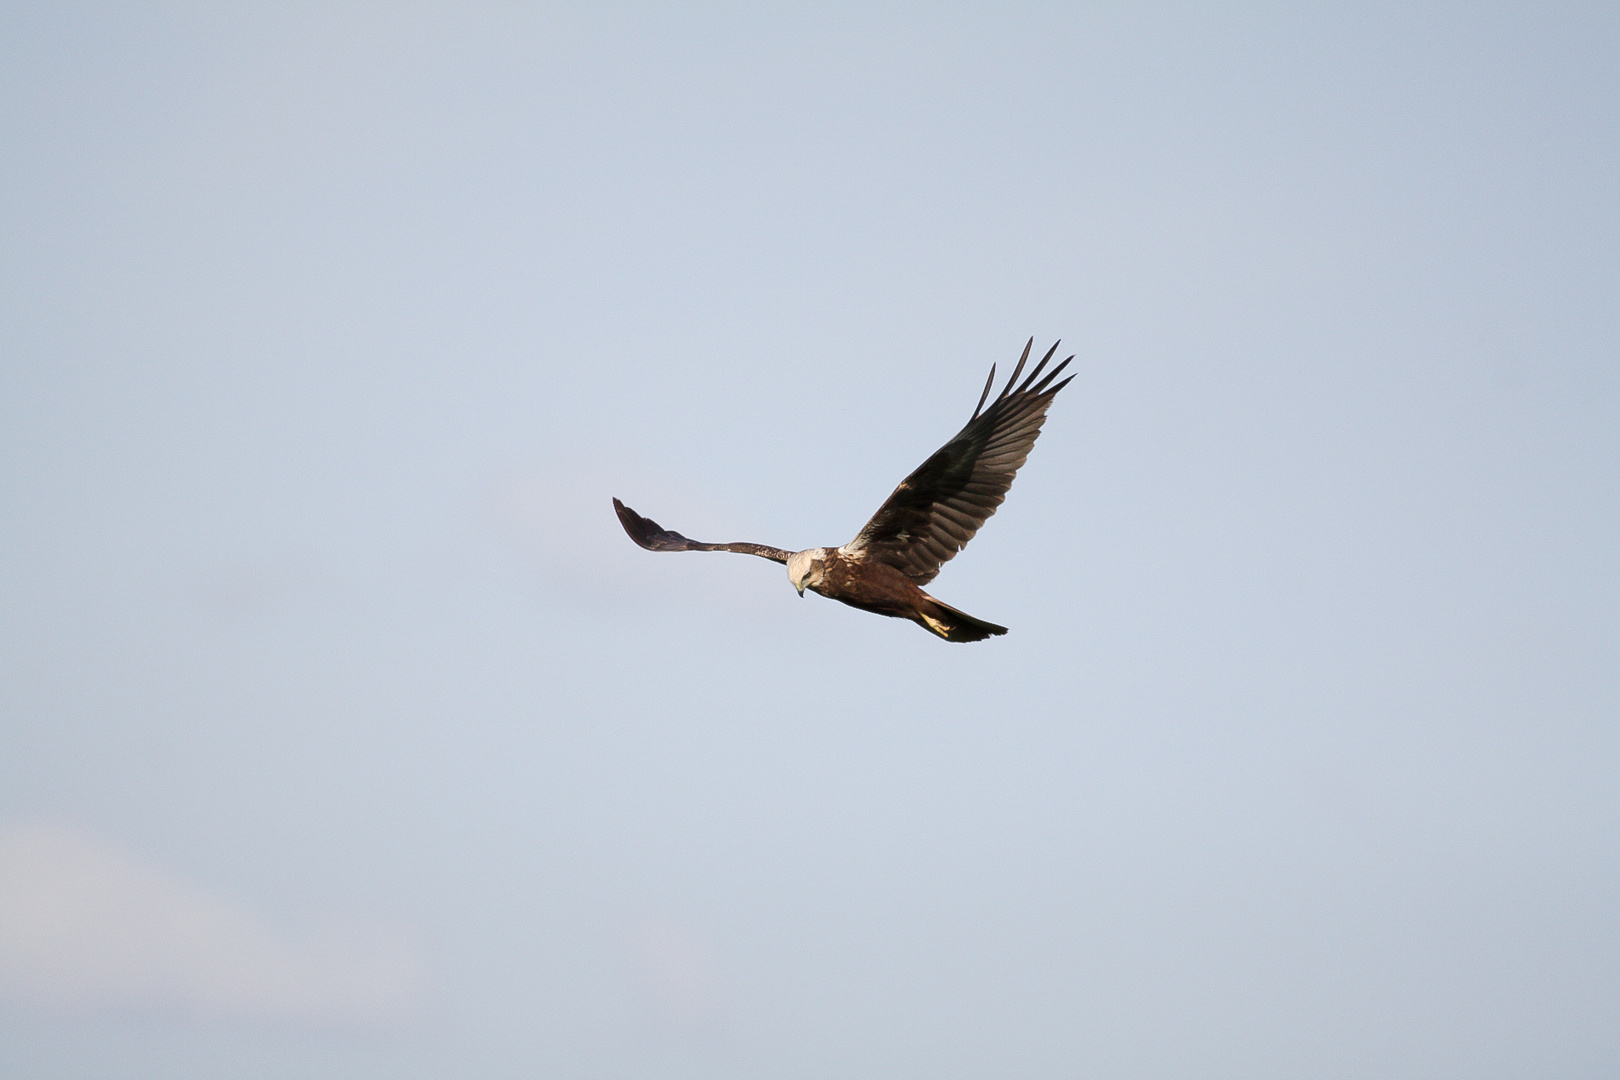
[{"x": 931, "y": 515}]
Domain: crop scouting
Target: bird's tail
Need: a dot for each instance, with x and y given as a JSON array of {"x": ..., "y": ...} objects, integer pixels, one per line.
[{"x": 953, "y": 625}]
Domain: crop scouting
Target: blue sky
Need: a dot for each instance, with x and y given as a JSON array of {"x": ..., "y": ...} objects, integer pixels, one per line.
[{"x": 345, "y": 734}]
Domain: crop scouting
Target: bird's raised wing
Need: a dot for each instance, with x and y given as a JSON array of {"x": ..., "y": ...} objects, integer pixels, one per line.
[
  {"x": 654, "y": 537},
  {"x": 936, "y": 510}
]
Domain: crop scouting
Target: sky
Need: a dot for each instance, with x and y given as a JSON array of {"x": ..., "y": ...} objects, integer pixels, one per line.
[{"x": 343, "y": 733}]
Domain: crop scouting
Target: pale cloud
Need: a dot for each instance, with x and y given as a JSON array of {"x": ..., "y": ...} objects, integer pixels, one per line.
[{"x": 86, "y": 928}]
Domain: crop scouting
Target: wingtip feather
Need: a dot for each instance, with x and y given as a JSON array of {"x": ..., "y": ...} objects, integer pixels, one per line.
[
  {"x": 1041, "y": 388},
  {"x": 1039, "y": 367},
  {"x": 988, "y": 383},
  {"x": 1022, "y": 360}
]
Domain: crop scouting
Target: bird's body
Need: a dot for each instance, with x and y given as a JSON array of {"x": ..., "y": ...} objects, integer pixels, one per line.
[
  {"x": 929, "y": 518},
  {"x": 878, "y": 587}
]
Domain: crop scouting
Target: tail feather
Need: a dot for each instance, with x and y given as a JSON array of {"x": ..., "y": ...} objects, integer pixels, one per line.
[{"x": 953, "y": 625}]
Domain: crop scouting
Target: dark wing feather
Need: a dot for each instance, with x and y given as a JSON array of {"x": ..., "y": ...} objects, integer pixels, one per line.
[
  {"x": 936, "y": 510},
  {"x": 654, "y": 537}
]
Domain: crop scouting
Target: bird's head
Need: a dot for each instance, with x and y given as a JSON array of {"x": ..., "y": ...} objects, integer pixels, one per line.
[{"x": 807, "y": 568}]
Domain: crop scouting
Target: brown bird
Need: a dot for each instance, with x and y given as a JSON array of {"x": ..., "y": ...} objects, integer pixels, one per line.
[{"x": 930, "y": 517}]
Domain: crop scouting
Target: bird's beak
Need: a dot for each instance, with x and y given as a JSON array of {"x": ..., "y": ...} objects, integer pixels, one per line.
[{"x": 801, "y": 592}]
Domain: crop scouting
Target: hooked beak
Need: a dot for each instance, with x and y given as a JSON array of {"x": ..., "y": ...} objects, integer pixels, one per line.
[{"x": 801, "y": 592}]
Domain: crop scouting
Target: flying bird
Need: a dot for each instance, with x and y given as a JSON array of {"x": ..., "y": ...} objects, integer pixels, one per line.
[{"x": 930, "y": 517}]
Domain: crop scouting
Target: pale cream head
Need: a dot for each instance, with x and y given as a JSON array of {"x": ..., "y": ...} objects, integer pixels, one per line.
[{"x": 807, "y": 568}]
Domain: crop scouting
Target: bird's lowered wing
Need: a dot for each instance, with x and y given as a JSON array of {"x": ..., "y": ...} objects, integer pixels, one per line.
[
  {"x": 936, "y": 510},
  {"x": 654, "y": 537}
]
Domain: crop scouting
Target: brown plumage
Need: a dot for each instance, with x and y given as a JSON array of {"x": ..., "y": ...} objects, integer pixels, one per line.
[{"x": 929, "y": 518}]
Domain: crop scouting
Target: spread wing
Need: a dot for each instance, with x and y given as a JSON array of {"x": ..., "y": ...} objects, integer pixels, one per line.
[
  {"x": 654, "y": 537},
  {"x": 936, "y": 510}
]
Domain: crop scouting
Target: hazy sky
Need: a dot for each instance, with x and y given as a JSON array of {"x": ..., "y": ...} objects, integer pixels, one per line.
[{"x": 345, "y": 734}]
